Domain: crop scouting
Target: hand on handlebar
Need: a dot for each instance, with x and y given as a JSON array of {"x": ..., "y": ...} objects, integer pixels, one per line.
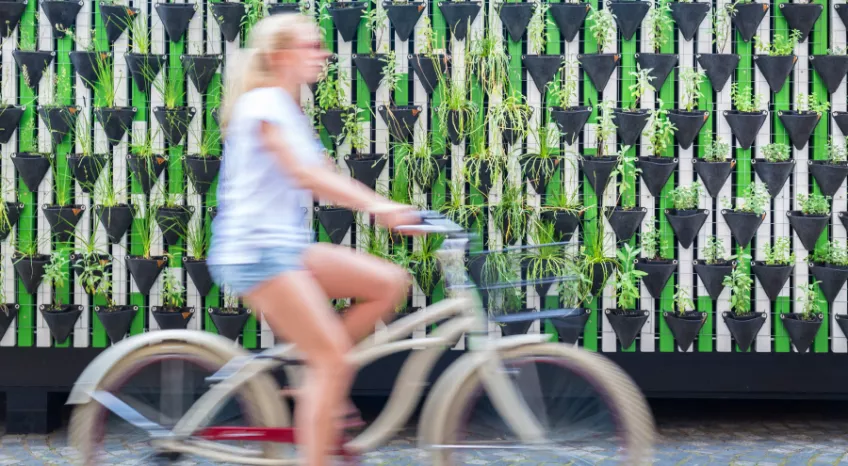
[{"x": 393, "y": 215}]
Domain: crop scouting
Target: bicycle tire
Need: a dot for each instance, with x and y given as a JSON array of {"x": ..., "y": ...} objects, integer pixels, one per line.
[
  {"x": 259, "y": 397},
  {"x": 453, "y": 393}
]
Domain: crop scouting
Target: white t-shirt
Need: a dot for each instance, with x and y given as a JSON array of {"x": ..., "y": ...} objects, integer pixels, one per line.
[{"x": 259, "y": 205}]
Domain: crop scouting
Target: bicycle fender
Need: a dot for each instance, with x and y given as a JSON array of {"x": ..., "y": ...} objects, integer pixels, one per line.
[{"x": 100, "y": 366}]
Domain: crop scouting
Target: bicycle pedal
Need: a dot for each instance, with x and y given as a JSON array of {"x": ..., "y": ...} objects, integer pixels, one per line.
[{"x": 163, "y": 457}]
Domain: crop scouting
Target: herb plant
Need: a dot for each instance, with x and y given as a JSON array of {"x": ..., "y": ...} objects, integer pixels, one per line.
[
  {"x": 809, "y": 301},
  {"x": 837, "y": 153},
  {"x": 813, "y": 204},
  {"x": 660, "y": 131},
  {"x": 173, "y": 292},
  {"x": 510, "y": 215},
  {"x": 605, "y": 130},
  {"x": 56, "y": 275},
  {"x": 755, "y": 200},
  {"x": 721, "y": 27},
  {"x": 690, "y": 82},
  {"x": 717, "y": 151},
  {"x": 832, "y": 254},
  {"x": 391, "y": 72},
  {"x": 713, "y": 251},
  {"x": 649, "y": 241},
  {"x": 545, "y": 261},
  {"x": 659, "y": 25},
  {"x": 776, "y": 152},
  {"x": 744, "y": 100},
  {"x": 780, "y": 47},
  {"x": 811, "y": 103},
  {"x": 488, "y": 60},
  {"x": 510, "y": 113},
  {"x": 537, "y": 28},
  {"x": 602, "y": 27},
  {"x": 778, "y": 254},
  {"x": 562, "y": 94},
  {"x": 627, "y": 278},
  {"x": 686, "y": 197},
  {"x": 642, "y": 85},
  {"x": 331, "y": 92},
  {"x": 739, "y": 283},
  {"x": 682, "y": 301}
]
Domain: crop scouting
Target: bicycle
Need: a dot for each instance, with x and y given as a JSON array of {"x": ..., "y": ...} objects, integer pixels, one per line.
[{"x": 498, "y": 377}]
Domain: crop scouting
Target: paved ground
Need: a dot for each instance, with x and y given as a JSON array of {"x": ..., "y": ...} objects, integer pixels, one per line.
[{"x": 703, "y": 433}]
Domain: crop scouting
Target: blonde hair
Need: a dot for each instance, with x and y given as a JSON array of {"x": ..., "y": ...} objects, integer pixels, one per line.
[{"x": 248, "y": 69}]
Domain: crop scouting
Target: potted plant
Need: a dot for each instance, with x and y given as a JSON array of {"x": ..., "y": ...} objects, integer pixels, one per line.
[
  {"x": 116, "y": 319},
  {"x": 8, "y": 311},
  {"x": 421, "y": 165},
  {"x": 174, "y": 117},
  {"x": 626, "y": 321},
  {"x": 573, "y": 293},
  {"x": 776, "y": 267},
  {"x": 599, "y": 66},
  {"x": 741, "y": 321},
  {"x": 774, "y": 167},
  {"x": 229, "y": 320},
  {"x": 86, "y": 59},
  {"x": 714, "y": 267},
  {"x": 371, "y": 65},
  {"x": 62, "y": 216},
  {"x": 425, "y": 263},
  {"x": 143, "y": 65},
  {"x": 569, "y": 17},
  {"x": 509, "y": 117},
  {"x": 660, "y": 27},
  {"x": 688, "y": 120},
  {"x": 656, "y": 168},
  {"x": 801, "y": 17},
  {"x": 400, "y": 119},
  {"x": 29, "y": 263},
  {"x": 516, "y": 16},
  {"x": 331, "y": 98},
  {"x": 456, "y": 109},
  {"x": 115, "y": 216},
  {"x": 631, "y": 121},
  {"x": 714, "y": 168},
  {"x": 745, "y": 122},
  {"x": 172, "y": 217},
  {"x": 145, "y": 161},
  {"x": 541, "y": 67},
  {"x": 689, "y": 15},
  {"x": 32, "y": 63},
  {"x": 625, "y": 218},
  {"x": 89, "y": 261},
  {"x": 31, "y": 166},
  {"x": 84, "y": 164},
  {"x": 115, "y": 120},
  {"x": 456, "y": 209},
  {"x": 657, "y": 270},
  {"x": 431, "y": 59},
  {"x": 10, "y": 112},
  {"x": 803, "y": 326},
  {"x": 563, "y": 210},
  {"x": 59, "y": 117},
  {"x": 570, "y": 118},
  {"x": 831, "y": 67},
  {"x": 749, "y": 213},
  {"x": 204, "y": 165},
  {"x": 62, "y": 16},
  {"x": 145, "y": 267},
  {"x": 831, "y": 172},
  {"x": 810, "y": 221},
  {"x": 629, "y": 15},
  {"x": 684, "y": 321},
  {"x": 403, "y": 15},
  {"x": 487, "y": 60},
  {"x": 175, "y": 18},
  {"x": 201, "y": 68},
  {"x": 720, "y": 65},
  {"x": 116, "y": 19},
  {"x": 801, "y": 122},
  {"x": 776, "y": 60},
  {"x": 544, "y": 265},
  {"x": 483, "y": 166},
  {"x": 459, "y": 14},
  {"x": 335, "y": 220},
  {"x": 365, "y": 166},
  {"x": 539, "y": 167},
  {"x": 173, "y": 313},
  {"x": 60, "y": 317},
  {"x": 198, "y": 238},
  {"x": 511, "y": 214},
  {"x": 829, "y": 264},
  {"x": 599, "y": 167},
  {"x": 685, "y": 218},
  {"x": 505, "y": 301},
  {"x": 746, "y": 17}
]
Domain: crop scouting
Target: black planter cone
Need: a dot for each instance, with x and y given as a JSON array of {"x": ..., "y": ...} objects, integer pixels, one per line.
[
  {"x": 660, "y": 65},
  {"x": 371, "y": 69},
  {"x": 745, "y": 328},
  {"x": 8, "y": 312},
  {"x": 175, "y": 18},
  {"x": 61, "y": 14},
  {"x": 808, "y": 227},
  {"x": 13, "y": 213},
  {"x": 175, "y": 319},
  {"x": 747, "y": 19},
  {"x": 842, "y": 11},
  {"x": 229, "y": 16},
  {"x": 86, "y": 169},
  {"x": 775, "y": 69},
  {"x": 146, "y": 271},
  {"x": 144, "y": 68},
  {"x": 600, "y": 274},
  {"x": 510, "y": 135},
  {"x": 336, "y": 221},
  {"x": 31, "y": 168},
  {"x": 59, "y": 120},
  {"x": 832, "y": 278},
  {"x": 146, "y": 170},
  {"x": 32, "y": 64},
  {"x": 745, "y": 126},
  {"x": 116, "y": 321},
  {"x": 61, "y": 322},
  {"x": 686, "y": 224},
  {"x": 828, "y": 176},
  {"x": 597, "y": 171},
  {"x": 625, "y": 222},
  {"x": 713, "y": 276},
  {"x": 333, "y": 121},
  {"x": 542, "y": 68},
  {"x": 743, "y": 225},
  {"x": 484, "y": 177},
  {"x": 201, "y": 69},
  {"x": 599, "y": 67},
  {"x": 441, "y": 161},
  {"x": 801, "y": 332},
  {"x": 772, "y": 277},
  {"x": 630, "y": 124},
  {"x": 688, "y": 124},
  {"x": 282, "y": 8},
  {"x": 629, "y": 15},
  {"x": 115, "y": 122},
  {"x": 688, "y": 17},
  {"x": 570, "y": 120},
  {"x": 10, "y": 117},
  {"x": 174, "y": 122},
  {"x": 458, "y": 15},
  {"x": 198, "y": 271},
  {"x": 63, "y": 220},
  {"x": 801, "y": 16},
  {"x": 773, "y": 174},
  {"x": 520, "y": 327},
  {"x": 570, "y": 327},
  {"x": 655, "y": 172},
  {"x": 684, "y": 328},
  {"x": 229, "y": 325},
  {"x": 30, "y": 270},
  {"x": 843, "y": 217},
  {"x": 400, "y": 120},
  {"x": 404, "y": 17},
  {"x": 718, "y": 67},
  {"x": 346, "y": 17},
  {"x": 173, "y": 221},
  {"x": 533, "y": 168},
  {"x": 453, "y": 127},
  {"x": 659, "y": 271},
  {"x": 800, "y": 126},
  {"x": 569, "y": 18},
  {"x": 841, "y": 119},
  {"x": 116, "y": 18},
  {"x": 842, "y": 319},
  {"x": 10, "y": 17},
  {"x": 116, "y": 220},
  {"x": 202, "y": 172},
  {"x": 626, "y": 324},
  {"x": 516, "y": 17},
  {"x": 86, "y": 63},
  {"x": 565, "y": 222},
  {"x": 428, "y": 70},
  {"x": 832, "y": 69},
  {"x": 366, "y": 169}
]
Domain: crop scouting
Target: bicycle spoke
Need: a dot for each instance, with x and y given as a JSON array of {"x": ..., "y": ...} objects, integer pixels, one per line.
[{"x": 128, "y": 414}]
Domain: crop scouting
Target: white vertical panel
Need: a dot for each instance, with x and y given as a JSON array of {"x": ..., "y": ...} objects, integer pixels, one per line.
[
  {"x": 9, "y": 92},
  {"x": 195, "y": 45},
  {"x": 648, "y": 303},
  {"x": 158, "y": 45},
  {"x": 46, "y": 91},
  {"x": 123, "y": 84},
  {"x": 533, "y": 199}
]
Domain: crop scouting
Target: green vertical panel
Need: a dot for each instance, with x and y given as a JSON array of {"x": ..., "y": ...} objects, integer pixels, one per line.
[
  {"x": 140, "y": 102},
  {"x": 26, "y": 143},
  {"x": 213, "y": 101},
  {"x": 819, "y": 40},
  {"x": 437, "y": 193},
  {"x": 781, "y": 101},
  {"x": 329, "y": 32},
  {"x": 64, "y": 182},
  {"x": 745, "y": 78},
  {"x": 704, "y": 303},
  {"x": 99, "y": 339},
  {"x": 667, "y": 243},
  {"x": 629, "y": 48},
  {"x": 555, "y": 185}
]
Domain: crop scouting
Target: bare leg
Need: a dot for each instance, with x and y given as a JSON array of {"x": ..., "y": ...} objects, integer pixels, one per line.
[{"x": 298, "y": 311}]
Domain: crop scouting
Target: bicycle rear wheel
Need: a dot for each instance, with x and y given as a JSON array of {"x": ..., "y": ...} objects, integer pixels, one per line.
[{"x": 589, "y": 410}]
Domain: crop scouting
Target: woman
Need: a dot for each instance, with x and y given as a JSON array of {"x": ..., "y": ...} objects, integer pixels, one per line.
[{"x": 261, "y": 250}]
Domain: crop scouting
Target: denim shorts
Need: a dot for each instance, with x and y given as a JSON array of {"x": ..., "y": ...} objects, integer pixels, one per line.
[{"x": 242, "y": 278}]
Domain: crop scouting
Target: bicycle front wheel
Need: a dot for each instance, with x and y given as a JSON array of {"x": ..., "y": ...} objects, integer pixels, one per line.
[{"x": 589, "y": 409}]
